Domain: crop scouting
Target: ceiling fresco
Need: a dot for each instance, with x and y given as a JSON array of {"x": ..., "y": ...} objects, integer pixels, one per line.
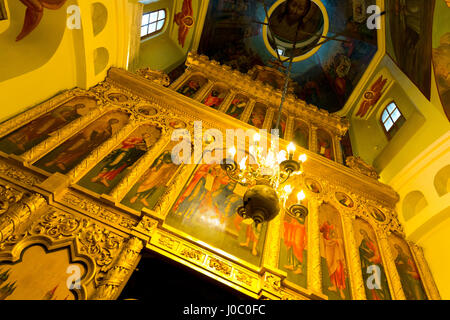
[{"x": 324, "y": 74}]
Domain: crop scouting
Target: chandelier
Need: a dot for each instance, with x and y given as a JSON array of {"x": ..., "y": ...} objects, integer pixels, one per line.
[{"x": 265, "y": 174}]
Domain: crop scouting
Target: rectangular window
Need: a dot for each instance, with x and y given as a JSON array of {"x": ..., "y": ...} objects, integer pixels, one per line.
[{"x": 392, "y": 119}]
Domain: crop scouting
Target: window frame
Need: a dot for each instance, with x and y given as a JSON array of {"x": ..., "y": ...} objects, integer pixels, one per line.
[
  {"x": 155, "y": 22},
  {"x": 396, "y": 125}
]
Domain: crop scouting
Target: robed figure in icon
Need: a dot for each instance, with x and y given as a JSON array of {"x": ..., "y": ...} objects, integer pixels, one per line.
[
  {"x": 335, "y": 257},
  {"x": 294, "y": 237}
]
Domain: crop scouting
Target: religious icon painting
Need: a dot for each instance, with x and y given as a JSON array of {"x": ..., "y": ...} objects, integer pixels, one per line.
[
  {"x": 207, "y": 210},
  {"x": 36, "y": 131},
  {"x": 154, "y": 182},
  {"x": 325, "y": 144},
  {"x": 192, "y": 86},
  {"x": 147, "y": 111},
  {"x": 377, "y": 214},
  {"x": 215, "y": 97},
  {"x": 71, "y": 152},
  {"x": 293, "y": 247},
  {"x": 108, "y": 172},
  {"x": 237, "y": 106},
  {"x": 117, "y": 97},
  {"x": 258, "y": 115},
  {"x": 335, "y": 276},
  {"x": 301, "y": 136},
  {"x": 344, "y": 200},
  {"x": 407, "y": 269},
  {"x": 372, "y": 267},
  {"x": 177, "y": 124},
  {"x": 313, "y": 185},
  {"x": 282, "y": 127}
]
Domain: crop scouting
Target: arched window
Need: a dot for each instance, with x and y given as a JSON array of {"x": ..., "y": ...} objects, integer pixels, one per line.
[
  {"x": 392, "y": 119},
  {"x": 152, "y": 22}
]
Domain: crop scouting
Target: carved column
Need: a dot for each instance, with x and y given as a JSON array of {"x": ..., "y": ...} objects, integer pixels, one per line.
[
  {"x": 357, "y": 282},
  {"x": 102, "y": 151},
  {"x": 18, "y": 214},
  {"x": 180, "y": 81},
  {"x": 391, "y": 268},
  {"x": 289, "y": 131},
  {"x": 425, "y": 273},
  {"x": 313, "y": 138},
  {"x": 272, "y": 244},
  {"x": 126, "y": 260},
  {"x": 60, "y": 135},
  {"x": 248, "y": 111},
  {"x": 314, "y": 275},
  {"x": 201, "y": 94},
  {"x": 337, "y": 147},
  {"x": 268, "y": 119},
  {"x": 227, "y": 101},
  {"x": 139, "y": 168}
]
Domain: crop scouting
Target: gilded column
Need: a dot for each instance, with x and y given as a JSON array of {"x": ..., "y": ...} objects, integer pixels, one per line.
[
  {"x": 18, "y": 214},
  {"x": 139, "y": 168},
  {"x": 357, "y": 282},
  {"x": 391, "y": 268},
  {"x": 60, "y": 135},
  {"x": 168, "y": 198},
  {"x": 314, "y": 275},
  {"x": 337, "y": 147},
  {"x": 268, "y": 119},
  {"x": 201, "y": 94},
  {"x": 181, "y": 79},
  {"x": 124, "y": 264},
  {"x": 100, "y": 152},
  {"x": 272, "y": 244},
  {"x": 227, "y": 101},
  {"x": 313, "y": 139},
  {"x": 425, "y": 273},
  {"x": 289, "y": 131},
  {"x": 248, "y": 111}
]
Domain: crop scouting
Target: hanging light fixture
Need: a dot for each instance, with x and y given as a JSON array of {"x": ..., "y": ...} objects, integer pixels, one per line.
[{"x": 265, "y": 175}]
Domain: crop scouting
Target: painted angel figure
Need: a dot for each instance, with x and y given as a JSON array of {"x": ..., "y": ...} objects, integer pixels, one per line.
[
  {"x": 185, "y": 21},
  {"x": 372, "y": 96},
  {"x": 34, "y": 13}
]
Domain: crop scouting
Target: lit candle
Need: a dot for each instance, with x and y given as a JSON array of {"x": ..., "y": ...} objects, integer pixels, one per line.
[
  {"x": 301, "y": 196},
  {"x": 281, "y": 156},
  {"x": 242, "y": 163},
  {"x": 291, "y": 149}
]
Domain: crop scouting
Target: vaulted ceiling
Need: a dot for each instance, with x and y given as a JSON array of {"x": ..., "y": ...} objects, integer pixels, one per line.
[{"x": 333, "y": 47}]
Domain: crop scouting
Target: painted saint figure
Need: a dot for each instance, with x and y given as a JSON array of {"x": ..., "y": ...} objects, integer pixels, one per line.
[
  {"x": 294, "y": 236},
  {"x": 73, "y": 150},
  {"x": 190, "y": 88},
  {"x": 159, "y": 174},
  {"x": 409, "y": 275},
  {"x": 120, "y": 159},
  {"x": 236, "y": 108},
  {"x": 257, "y": 117},
  {"x": 370, "y": 256},
  {"x": 335, "y": 257},
  {"x": 39, "y": 129},
  {"x": 213, "y": 100},
  {"x": 325, "y": 148}
]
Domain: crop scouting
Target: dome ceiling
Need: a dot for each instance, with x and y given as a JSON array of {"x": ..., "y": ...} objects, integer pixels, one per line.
[{"x": 333, "y": 46}]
